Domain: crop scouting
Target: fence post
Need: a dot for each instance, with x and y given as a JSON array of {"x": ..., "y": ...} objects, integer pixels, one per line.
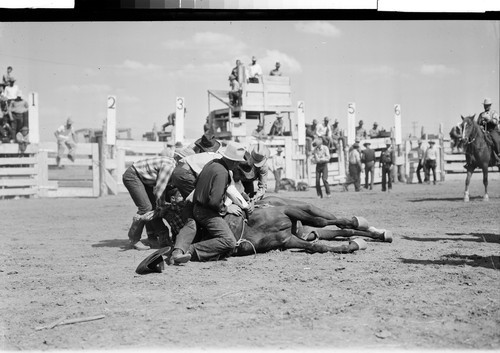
[
  {"x": 43, "y": 175},
  {"x": 103, "y": 189}
]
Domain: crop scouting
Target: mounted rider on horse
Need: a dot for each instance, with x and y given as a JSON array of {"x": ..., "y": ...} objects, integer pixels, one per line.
[{"x": 488, "y": 120}]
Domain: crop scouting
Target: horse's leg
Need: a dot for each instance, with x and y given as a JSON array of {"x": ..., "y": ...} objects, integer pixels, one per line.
[
  {"x": 467, "y": 182},
  {"x": 485, "y": 183},
  {"x": 373, "y": 233},
  {"x": 301, "y": 213},
  {"x": 295, "y": 243}
]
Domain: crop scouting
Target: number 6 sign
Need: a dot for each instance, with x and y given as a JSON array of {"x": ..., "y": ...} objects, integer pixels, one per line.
[{"x": 397, "y": 124}]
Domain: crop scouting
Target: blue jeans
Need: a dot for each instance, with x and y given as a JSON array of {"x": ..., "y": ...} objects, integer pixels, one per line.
[
  {"x": 145, "y": 200},
  {"x": 219, "y": 242}
]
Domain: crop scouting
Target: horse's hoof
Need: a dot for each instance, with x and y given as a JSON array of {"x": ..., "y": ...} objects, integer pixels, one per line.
[
  {"x": 387, "y": 236},
  {"x": 360, "y": 223},
  {"x": 360, "y": 243},
  {"x": 486, "y": 198}
]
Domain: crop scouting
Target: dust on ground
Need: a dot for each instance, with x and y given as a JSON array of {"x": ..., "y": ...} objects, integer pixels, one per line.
[{"x": 436, "y": 286}]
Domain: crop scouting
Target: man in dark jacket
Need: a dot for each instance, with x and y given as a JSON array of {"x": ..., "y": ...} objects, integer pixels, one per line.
[
  {"x": 368, "y": 158},
  {"x": 209, "y": 207}
]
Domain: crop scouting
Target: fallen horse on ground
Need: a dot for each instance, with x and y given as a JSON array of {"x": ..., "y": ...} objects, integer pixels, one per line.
[{"x": 280, "y": 224}]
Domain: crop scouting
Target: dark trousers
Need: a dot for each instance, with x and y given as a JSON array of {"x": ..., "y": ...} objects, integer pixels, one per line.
[
  {"x": 220, "y": 241},
  {"x": 354, "y": 176},
  {"x": 17, "y": 122},
  {"x": 187, "y": 233},
  {"x": 419, "y": 168},
  {"x": 430, "y": 164},
  {"x": 322, "y": 174},
  {"x": 386, "y": 177},
  {"x": 369, "y": 172},
  {"x": 145, "y": 200}
]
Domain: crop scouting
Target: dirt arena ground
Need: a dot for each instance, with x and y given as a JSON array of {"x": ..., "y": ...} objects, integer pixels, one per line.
[{"x": 436, "y": 286}]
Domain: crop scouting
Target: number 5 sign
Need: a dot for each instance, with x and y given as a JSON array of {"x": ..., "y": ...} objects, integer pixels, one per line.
[{"x": 351, "y": 123}]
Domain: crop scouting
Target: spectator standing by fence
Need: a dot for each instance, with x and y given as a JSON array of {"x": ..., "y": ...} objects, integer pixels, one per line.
[
  {"x": 420, "y": 166},
  {"x": 321, "y": 157},
  {"x": 254, "y": 71},
  {"x": 66, "y": 138},
  {"x": 374, "y": 132},
  {"x": 368, "y": 158},
  {"x": 355, "y": 167},
  {"x": 430, "y": 161},
  {"x": 278, "y": 166},
  {"x": 386, "y": 163}
]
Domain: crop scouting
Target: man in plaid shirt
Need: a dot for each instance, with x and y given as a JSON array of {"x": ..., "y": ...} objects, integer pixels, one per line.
[{"x": 146, "y": 181}]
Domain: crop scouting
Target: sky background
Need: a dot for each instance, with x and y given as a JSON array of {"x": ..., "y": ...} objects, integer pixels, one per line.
[{"x": 437, "y": 70}]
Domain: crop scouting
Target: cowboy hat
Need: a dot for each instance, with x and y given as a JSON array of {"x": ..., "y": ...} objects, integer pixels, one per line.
[
  {"x": 355, "y": 145},
  {"x": 487, "y": 101},
  {"x": 279, "y": 149},
  {"x": 154, "y": 262},
  {"x": 432, "y": 142},
  {"x": 208, "y": 143},
  {"x": 259, "y": 155},
  {"x": 69, "y": 121},
  {"x": 234, "y": 151},
  {"x": 366, "y": 144}
]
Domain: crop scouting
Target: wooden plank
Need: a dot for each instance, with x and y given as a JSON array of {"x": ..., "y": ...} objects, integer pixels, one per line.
[
  {"x": 81, "y": 148},
  {"x": 111, "y": 184},
  {"x": 71, "y": 192},
  {"x": 17, "y": 160},
  {"x": 66, "y": 162},
  {"x": 18, "y": 191},
  {"x": 454, "y": 158},
  {"x": 18, "y": 182},
  {"x": 13, "y": 148},
  {"x": 17, "y": 171},
  {"x": 95, "y": 170}
]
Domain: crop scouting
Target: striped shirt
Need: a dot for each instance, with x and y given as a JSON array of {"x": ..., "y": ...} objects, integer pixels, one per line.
[{"x": 155, "y": 172}]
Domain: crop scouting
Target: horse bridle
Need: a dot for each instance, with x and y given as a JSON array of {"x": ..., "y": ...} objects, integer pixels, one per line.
[{"x": 467, "y": 140}]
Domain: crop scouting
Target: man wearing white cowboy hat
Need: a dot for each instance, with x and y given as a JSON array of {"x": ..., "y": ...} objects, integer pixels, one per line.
[
  {"x": 489, "y": 121},
  {"x": 209, "y": 207},
  {"x": 66, "y": 136}
]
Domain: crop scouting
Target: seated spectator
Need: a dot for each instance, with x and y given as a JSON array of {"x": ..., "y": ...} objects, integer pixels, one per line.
[
  {"x": 360, "y": 131},
  {"x": 3, "y": 99},
  {"x": 277, "y": 128},
  {"x": 254, "y": 71},
  {"x": 18, "y": 109},
  {"x": 310, "y": 134},
  {"x": 8, "y": 78},
  {"x": 207, "y": 143},
  {"x": 336, "y": 134},
  {"x": 276, "y": 71},
  {"x": 374, "y": 132},
  {"x": 324, "y": 132},
  {"x": 235, "y": 92},
  {"x": 22, "y": 138},
  {"x": 259, "y": 133},
  {"x": 7, "y": 134}
]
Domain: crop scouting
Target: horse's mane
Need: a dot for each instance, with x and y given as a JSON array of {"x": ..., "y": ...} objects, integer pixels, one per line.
[{"x": 476, "y": 147}]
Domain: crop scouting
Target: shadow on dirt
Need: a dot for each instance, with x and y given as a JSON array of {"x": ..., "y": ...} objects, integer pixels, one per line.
[
  {"x": 491, "y": 262},
  {"x": 123, "y": 244},
  {"x": 461, "y": 198},
  {"x": 478, "y": 238}
]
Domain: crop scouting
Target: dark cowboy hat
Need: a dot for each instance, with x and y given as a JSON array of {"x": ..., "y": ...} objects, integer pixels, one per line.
[
  {"x": 355, "y": 145},
  {"x": 366, "y": 144},
  {"x": 154, "y": 262},
  {"x": 208, "y": 143}
]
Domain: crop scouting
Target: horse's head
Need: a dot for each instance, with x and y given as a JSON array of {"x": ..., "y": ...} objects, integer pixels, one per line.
[{"x": 469, "y": 128}]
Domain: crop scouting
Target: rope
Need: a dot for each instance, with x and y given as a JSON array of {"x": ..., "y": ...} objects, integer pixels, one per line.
[{"x": 241, "y": 240}]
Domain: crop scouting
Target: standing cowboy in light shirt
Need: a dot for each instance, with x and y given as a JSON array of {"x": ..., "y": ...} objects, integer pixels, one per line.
[
  {"x": 430, "y": 158},
  {"x": 278, "y": 165},
  {"x": 254, "y": 71}
]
